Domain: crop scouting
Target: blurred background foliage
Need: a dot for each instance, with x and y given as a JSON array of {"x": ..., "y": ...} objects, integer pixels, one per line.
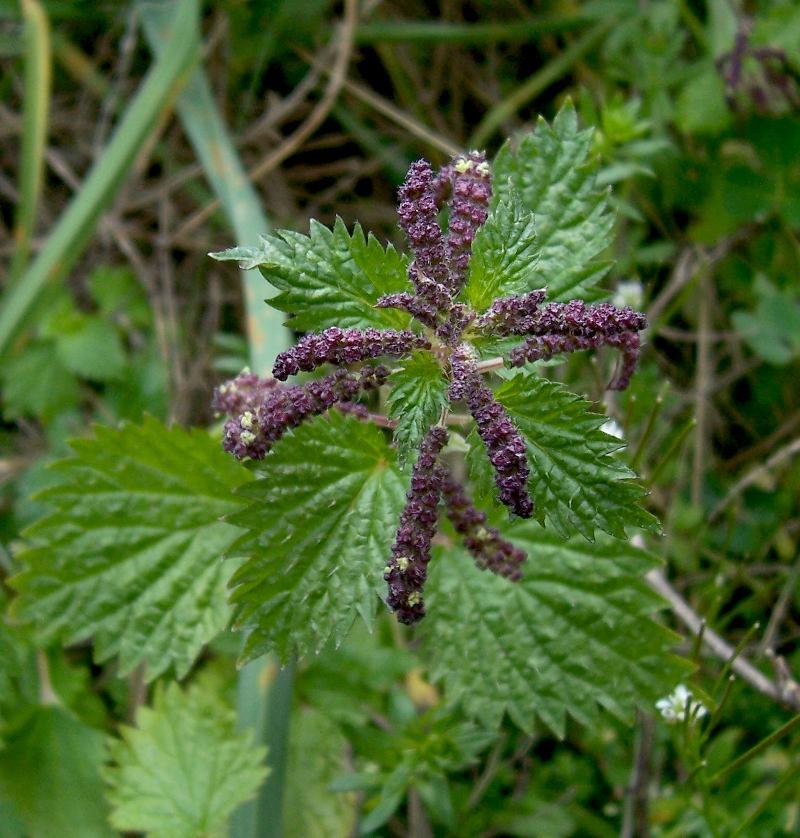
[{"x": 139, "y": 136}]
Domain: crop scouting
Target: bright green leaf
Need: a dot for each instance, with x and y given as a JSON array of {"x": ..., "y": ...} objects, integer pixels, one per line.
[
  {"x": 504, "y": 254},
  {"x": 321, "y": 526},
  {"x": 183, "y": 769},
  {"x": 575, "y": 481},
  {"x": 92, "y": 350},
  {"x": 131, "y": 556},
  {"x": 574, "y": 633},
  {"x": 551, "y": 172},
  {"x": 50, "y": 770},
  {"x": 329, "y": 277},
  {"x": 35, "y": 383},
  {"x": 416, "y": 401}
]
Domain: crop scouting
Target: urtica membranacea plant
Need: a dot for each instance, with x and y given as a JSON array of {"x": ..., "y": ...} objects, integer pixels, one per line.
[
  {"x": 454, "y": 312},
  {"x": 412, "y": 453}
]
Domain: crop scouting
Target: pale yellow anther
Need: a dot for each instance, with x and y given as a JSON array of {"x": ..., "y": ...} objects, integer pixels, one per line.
[
  {"x": 414, "y": 599},
  {"x": 247, "y": 437},
  {"x": 402, "y": 563},
  {"x": 462, "y": 165},
  {"x": 483, "y": 169},
  {"x": 247, "y": 420}
]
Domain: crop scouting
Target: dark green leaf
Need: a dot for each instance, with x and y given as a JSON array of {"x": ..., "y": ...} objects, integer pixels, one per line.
[
  {"x": 321, "y": 526},
  {"x": 574, "y": 633},
  {"x": 131, "y": 556},
  {"x": 504, "y": 254},
  {"x": 576, "y": 482},
  {"x": 329, "y": 277},
  {"x": 551, "y": 172}
]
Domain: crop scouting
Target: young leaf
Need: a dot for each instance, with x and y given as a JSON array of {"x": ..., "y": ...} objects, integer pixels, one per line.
[
  {"x": 575, "y": 481},
  {"x": 551, "y": 172},
  {"x": 329, "y": 277},
  {"x": 183, "y": 769},
  {"x": 91, "y": 348},
  {"x": 416, "y": 401},
  {"x": 574, "y": 632},
  {"x": 131, "y": 555},
  {"x": 50, "y": 770},
  {"x": 504, "y": 254},
  {"x": 317, "y": 755},
  {"x": 321, "y": 528},
  {"x": 35, "y": 383}
]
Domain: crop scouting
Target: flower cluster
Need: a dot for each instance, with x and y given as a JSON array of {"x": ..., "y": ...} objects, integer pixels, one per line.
[
  {"x": 262, "y": 411},
  {"x": 253, "y": 431},
  {"x": 503, "y": 442},
  {"x": 680, "y": 704},
  {"x": 407, "y": 569},
  {"x": 489, "y": 549},
  {"x": 344, "y": 346}
]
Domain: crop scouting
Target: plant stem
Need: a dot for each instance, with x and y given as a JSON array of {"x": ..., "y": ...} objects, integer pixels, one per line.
[
  {"x": 757, "y": 749},
  {"x": 425, "y": 31}
]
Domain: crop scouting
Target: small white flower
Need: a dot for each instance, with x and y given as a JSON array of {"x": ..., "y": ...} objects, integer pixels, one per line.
[{"x": 674, "y": 707}]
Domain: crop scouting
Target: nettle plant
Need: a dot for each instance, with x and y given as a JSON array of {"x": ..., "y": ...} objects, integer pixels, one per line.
[{"x": 434, "y": 451}]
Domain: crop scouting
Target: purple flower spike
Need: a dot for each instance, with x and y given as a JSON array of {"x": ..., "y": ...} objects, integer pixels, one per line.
[
  {"x": 576, "y": 318},
  {"x": 574, "y": 326},
  {"x": 254, "y": 432},
  {"x": 469, "y": 208},
  {"x": 512, "y": 315},
  {"x": 423, "y": 311},
  {"x": 407, "y": 569},
  {"x": 628, "y": 345},
  {"x": 489, "y": 549},
  {"x": 245, "y": 392},
  {"x": 503, "y": 442},
  {"x": 418, "y": 212},
  {"x": 344, "y": 346}
]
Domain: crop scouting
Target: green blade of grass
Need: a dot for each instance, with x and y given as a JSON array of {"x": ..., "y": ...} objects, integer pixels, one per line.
[
  {"x": 74, "y": 228},
  {"x": 445, "y": 32},
  {"x": 38, "y": 75},
  {"x": 265, "y": 709},
  {"x": 227, "y": 177}
]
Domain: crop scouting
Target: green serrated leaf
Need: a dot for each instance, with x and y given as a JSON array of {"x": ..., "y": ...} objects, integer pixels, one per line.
[
  {"x": 183, "y": 769},
  {"x": 574, "y": 633},
  {"x": 92, "y": 350},
  {"x": 131, "y": 556},
  {"x": 416, "y": 401},
  {"x": 504, "y": 254},
  {"x": 321, "y": 526},
  {"x": 50, "y": 770},
  {"x": 551, "y": 172},
  {"x": 329, "y": 277},
  {"x": 575, "y": 481},
  {"x": 35, "y": 383}
]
